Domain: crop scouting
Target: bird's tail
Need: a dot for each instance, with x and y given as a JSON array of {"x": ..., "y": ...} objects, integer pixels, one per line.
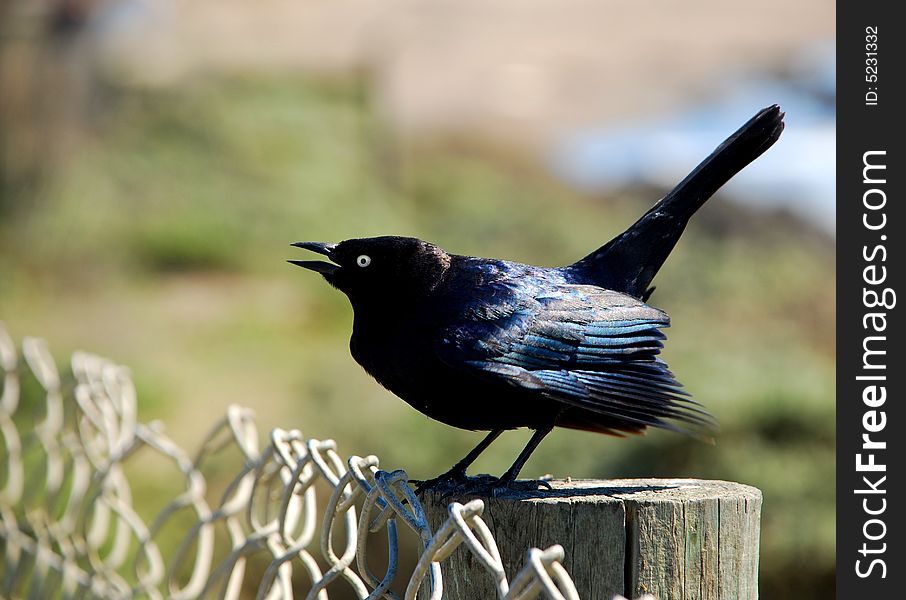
[{"x": 630, "y": 261}]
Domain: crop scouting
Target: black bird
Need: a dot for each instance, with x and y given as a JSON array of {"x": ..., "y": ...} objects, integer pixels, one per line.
[{"x": 490, "y": 345}]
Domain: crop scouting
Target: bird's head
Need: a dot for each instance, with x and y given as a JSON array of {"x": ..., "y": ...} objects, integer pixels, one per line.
[{"x": 367, "y": 269}]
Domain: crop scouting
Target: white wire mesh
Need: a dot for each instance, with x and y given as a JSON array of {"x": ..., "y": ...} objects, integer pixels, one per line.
[{"x": 69, "y": 527}]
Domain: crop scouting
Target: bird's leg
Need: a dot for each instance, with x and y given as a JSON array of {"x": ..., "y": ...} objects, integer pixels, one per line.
[
  {"x": 513, "y": 472},
  {"x": 468, "y": 459},
  {"x": 458, "y": 472}
]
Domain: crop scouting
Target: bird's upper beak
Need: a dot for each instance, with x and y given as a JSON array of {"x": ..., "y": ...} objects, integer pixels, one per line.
[{"x": 325, "y": 268}]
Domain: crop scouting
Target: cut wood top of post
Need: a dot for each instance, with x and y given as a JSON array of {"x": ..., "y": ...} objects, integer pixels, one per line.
[{"x": 634, "y": 490}]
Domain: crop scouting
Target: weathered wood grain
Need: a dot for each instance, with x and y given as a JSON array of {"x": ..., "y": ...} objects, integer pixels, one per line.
[{"x": 683, "y": 539}]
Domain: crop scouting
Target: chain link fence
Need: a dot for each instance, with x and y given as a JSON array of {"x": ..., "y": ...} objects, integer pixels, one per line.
[{"x": 69, "y": 526}]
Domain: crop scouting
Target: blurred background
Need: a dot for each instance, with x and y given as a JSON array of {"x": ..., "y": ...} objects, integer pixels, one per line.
[{"x": 158, "y": 156}]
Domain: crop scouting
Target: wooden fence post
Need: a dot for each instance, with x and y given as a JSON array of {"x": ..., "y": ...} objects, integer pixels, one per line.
[{"x": 677, "y": 539}]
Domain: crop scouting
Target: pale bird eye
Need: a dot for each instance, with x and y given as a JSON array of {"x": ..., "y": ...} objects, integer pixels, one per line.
[{"x": 363, "y": 260}]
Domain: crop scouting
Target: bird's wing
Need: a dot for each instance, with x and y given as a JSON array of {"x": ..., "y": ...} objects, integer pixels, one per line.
[{"x": 583, "y": 346}]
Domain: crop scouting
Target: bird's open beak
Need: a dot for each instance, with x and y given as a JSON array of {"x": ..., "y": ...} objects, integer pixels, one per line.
[{"x": 325, "y": 268}]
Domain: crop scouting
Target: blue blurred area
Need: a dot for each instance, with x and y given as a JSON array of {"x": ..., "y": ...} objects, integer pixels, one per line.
[{"x": 797, "y": 174}]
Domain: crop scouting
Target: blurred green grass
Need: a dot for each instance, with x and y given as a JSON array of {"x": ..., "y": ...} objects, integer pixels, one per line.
[{"x": 161, "y": 243}]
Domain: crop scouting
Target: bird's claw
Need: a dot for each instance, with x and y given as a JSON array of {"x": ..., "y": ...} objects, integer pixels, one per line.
[
  {"x": 448, "y": 480},
  {"x": 481, "y": 485},
  {"x": 502, "y": 487}
]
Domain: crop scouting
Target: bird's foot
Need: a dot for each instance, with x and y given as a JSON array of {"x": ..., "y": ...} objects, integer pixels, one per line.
[
  {"x": 452, "y": 479},
  {"x": 504, "y": 486},
  {"x": 480, "y": 485}
]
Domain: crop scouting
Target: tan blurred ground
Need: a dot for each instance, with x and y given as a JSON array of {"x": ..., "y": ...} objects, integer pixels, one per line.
[{"x": 514, "y": 72}]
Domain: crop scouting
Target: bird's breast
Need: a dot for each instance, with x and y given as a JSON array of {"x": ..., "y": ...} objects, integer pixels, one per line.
[
  {"x": 409, "y": 366},
  {"x": 400, "y": 361}
]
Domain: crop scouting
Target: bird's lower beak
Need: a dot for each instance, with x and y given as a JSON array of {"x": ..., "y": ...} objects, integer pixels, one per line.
[{"x": 325, "y": 268}]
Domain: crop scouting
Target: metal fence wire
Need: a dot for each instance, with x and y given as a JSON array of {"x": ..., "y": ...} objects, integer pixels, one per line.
[{"x": 69, "y": 527}]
